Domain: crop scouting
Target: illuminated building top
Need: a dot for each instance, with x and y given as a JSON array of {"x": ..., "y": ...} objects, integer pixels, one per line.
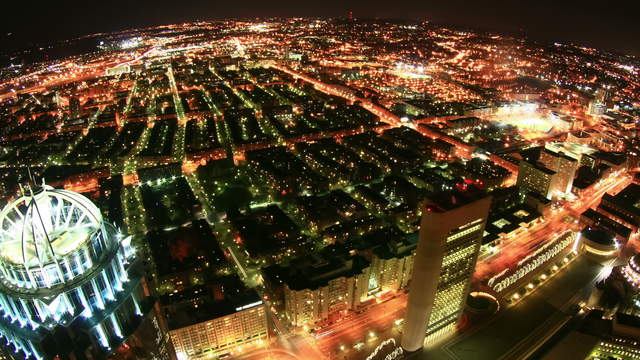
[
  {"x": 41, "y": 232},
  {"x": 61, "y": 264},
  {"x": 632, "y": 271}
]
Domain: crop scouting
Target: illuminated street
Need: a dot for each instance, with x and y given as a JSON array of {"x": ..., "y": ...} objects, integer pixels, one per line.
[{"x": 328, "y": 188}]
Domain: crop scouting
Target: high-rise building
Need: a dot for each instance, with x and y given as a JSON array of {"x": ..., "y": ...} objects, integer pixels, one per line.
[
  {"x": 534, "y": 176},
  {"x": 70, "y": 287},
  {"x": 565, "y": 167},
  {"x": 450, "y": 238},
  {"x": 74, "y": 106},
  {"x": 598, "y": 106}
]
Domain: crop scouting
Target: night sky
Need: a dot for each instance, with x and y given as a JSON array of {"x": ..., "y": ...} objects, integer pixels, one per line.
[{"x": 603, "y": 24}]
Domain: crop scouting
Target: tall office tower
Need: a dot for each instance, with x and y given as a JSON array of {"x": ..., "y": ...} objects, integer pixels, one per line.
[
  {"x": 69, "y": 287},
  {"x": 450, "y": 238},
  {"x": 74, "y": 106},
  {"x": 602, "y": 95},
  {"x": 565, "y": 167},
  {"x": 534, "y": 176},
  {"x": 598, "y": 106}
]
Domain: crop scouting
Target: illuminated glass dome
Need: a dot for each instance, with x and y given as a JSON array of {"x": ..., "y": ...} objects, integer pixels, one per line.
[
  {"x": 44, "y": 234},
  {"x": 632, "y": 271},
  {"x": 61, "y": 264}
]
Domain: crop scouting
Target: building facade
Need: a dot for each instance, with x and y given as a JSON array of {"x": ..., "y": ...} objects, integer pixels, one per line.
[
  {"x": 311, "y": 305},
  {"x": 392, "y": 265},
  {"x": 391, "y": 273},
  {"x": 322, "y": 287},
  {"x": 450, "y": 239},
  {"x": 564, "y": 166},
  {"x": 535, "y": 177},
  {"x": 214, "y": 319},
  {"x": 221, "y": 335}
]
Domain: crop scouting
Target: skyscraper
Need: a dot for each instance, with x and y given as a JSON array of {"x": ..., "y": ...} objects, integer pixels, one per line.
[
  {"x": 450, "y": 238},
  {"x": 69, "y": 286},
  {"x": 534, "y": 176},
  {"x": 565, "y": 167},
  {"x": 598, "y": 106}
]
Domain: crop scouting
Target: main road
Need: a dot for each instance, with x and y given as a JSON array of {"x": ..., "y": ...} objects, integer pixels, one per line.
[
  {"x": 379, "y": 322},
  {"x": 512, "y": 250}
]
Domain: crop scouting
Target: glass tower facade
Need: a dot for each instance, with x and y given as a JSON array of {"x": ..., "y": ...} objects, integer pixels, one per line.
[
  {"x": 449, "y": 243},
  {"x": 65, "y": 284},
  {"x": 461, "y": 251}
]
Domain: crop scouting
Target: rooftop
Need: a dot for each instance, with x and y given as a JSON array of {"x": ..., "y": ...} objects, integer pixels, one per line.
[
  {"x": 461, "y": 195},
  {"x": 538, "y": 166},
  {"x": 628, "y": 199},
  {"x": 224, "y": 296},
  {"x": 317, "y": 270},
  {"x": 598, "y": 235},
  {"x": 607, "y": 223},
  {"x": 45, "y": 224}
]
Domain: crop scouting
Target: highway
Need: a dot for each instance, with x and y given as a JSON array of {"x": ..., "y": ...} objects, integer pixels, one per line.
[{"x": 512, "y": 250}]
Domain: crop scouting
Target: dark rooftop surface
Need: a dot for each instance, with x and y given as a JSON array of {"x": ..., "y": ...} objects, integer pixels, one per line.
[
  {"x": 607, "y": 223},
  {"x": 598, "y": 235},
  {"x": 222, "y": 297},
  {"x": 267, "y": 231},
  {"x": 628, "y": 320},
  {"x": 398, "y": 247},
  {"x": 616, "y": 158},
  {"x": 182, "y": 249},
  {"x": 627, "y": 199},
  {"x": 539, "y": 197},
  {"x": 559, "y": 154},
  {"x": 540, "y": 166},
  {"x": 630, "y": 194},
  {"x": 317, "y": 270},
  {"x": 461, "y": 195},
  {"x": 509, "y": 220}
]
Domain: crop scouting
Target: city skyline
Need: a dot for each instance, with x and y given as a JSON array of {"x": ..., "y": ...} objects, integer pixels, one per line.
[
  {"x": 589, "y": 23},
  {"x": 318, "y": 189}
]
